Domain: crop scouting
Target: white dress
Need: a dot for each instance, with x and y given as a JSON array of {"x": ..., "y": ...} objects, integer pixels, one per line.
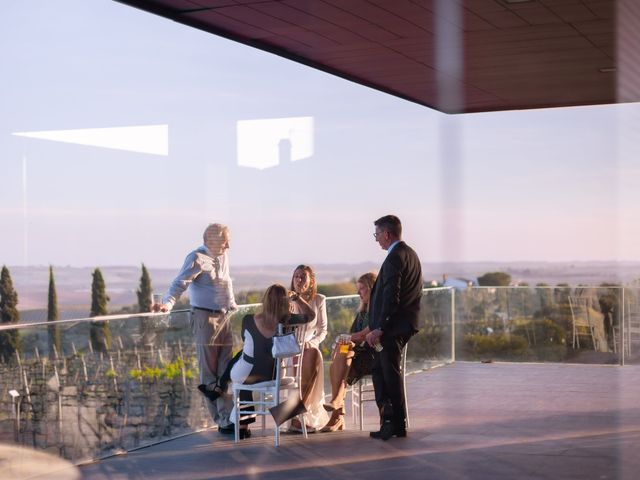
[{"x": 316, "y": 332}]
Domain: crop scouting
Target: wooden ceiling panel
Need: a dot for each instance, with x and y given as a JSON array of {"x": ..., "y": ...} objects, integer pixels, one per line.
[
  {"x": 481, "y": 6},
  {"x": 574, "y": 12},
  {"x": 594, "y": 27},
  {"x": 212, "y": 3},
  {"x": 384, "y": 18},
  {"x": 503, "y": 19},
  {"x": 225, "y": 24},
  {"x": 474, "y": 22},
  {"x": 604, "y": 9},
  {"x": 410, "y": 12},
  {"x": 535, "y": 13},
  {"x": 514, "y": 55}
]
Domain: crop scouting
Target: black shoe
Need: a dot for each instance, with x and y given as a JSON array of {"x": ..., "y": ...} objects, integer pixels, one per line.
[
  {"x": 245, "y": 433},
  {"x": 388, "y": 430},
  {"x": 230, "y": 430},
  {"x": 212, "y": 394}
]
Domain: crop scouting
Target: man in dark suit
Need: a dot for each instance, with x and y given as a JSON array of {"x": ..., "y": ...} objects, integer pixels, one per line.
[{"x": 393, "y": 320}]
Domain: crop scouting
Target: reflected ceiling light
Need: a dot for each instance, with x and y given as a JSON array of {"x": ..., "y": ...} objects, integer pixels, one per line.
[
  {"x": 153, "y": 139},
  {"x": 607, "y": 69},
  {"x": 269, "y": 142}
]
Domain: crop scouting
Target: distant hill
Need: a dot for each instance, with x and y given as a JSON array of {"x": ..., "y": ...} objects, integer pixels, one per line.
[{"x": 73, "y": 283}]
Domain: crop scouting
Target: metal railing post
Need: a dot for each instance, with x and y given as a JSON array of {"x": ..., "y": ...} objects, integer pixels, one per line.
[
  {"x": 622, "y": 330},
  {"x": 453, "y": 325}
]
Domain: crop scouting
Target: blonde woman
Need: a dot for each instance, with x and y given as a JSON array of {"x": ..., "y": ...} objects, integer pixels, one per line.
[
  {"x": 255, "y": 363},
  {"x": 349, "y": 367},
  {"x": 303, "y": 283}
]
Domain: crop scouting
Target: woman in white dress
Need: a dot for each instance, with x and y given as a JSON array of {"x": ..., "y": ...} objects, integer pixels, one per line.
[{"x": 303, "y": 283}]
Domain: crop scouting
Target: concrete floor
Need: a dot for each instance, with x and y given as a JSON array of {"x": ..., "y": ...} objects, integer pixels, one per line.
[{"x": 468, "y": 420}]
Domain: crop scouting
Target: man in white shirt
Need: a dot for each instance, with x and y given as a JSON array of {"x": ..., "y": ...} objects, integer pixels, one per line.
[{"x": 206, "y": 273}]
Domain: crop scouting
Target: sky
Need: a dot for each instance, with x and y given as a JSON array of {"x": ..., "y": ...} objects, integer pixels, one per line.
[{"x": 537, "y": 185}]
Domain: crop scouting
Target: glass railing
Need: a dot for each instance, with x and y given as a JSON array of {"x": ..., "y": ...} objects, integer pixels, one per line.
[
  {"x": 88, "y": 388},
  {"x": 547, "y": 324},
  {"x": 432, "y": 345}
]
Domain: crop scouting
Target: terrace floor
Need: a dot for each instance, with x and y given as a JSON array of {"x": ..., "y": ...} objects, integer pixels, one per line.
[{"x": 468, "y": 420}]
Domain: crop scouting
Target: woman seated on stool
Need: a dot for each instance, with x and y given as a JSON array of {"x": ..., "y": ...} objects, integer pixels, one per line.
[
  {"x": 350, "y": 366},
  {"x": 255, "y": 362}
]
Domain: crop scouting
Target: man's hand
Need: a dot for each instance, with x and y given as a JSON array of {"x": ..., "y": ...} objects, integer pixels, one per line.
[
  {"x": 373, "y": 337},
  {"x": 160, "y": 307}
]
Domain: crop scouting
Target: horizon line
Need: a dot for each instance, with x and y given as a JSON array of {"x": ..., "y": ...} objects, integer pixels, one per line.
[{"x": 286, "y": 264}]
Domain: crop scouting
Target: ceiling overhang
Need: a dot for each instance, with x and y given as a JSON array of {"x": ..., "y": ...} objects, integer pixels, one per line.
[{"x": 455, "y": 56}]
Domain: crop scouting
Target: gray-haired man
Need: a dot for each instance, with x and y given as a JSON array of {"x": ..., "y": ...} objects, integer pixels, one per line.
[{"x": 206, "y": 273}]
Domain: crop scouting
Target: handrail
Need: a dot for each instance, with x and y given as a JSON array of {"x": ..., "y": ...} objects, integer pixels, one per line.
[
  {"x": 98, "y": 318},
  {"x": 105, "y": 318},
  {"x": 124, "y": 316}
]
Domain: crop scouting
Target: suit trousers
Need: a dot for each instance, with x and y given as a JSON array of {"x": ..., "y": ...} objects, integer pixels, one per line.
[
  {"x": 214, "y": 342},
  {"x": 388, "y": 380}
]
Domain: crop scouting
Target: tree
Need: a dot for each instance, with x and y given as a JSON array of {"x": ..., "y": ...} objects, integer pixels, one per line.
[
  {"x": 494, "y": 279},
  {"x": 53, "y": 315},
  {"x": 144, "y": 291},
  {"x": 9, "y": 339},
  {"x": 100, "y": 334},
  {"x": 337, "y": 289}
]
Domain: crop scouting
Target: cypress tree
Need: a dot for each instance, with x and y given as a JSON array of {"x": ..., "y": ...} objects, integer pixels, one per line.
[
  {"x": 9, "y": 339},
  {"x": 144, "y": 291},
  {"x": 147, "y": 325},
  {"x": 53, "y": 315},
  {"x": 100, "y": 334}
]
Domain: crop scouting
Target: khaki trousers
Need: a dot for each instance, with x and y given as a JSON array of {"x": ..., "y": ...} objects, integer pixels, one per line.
[{"x": 214, "y": 342}]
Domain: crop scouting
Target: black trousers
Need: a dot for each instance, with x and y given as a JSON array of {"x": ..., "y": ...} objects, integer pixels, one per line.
[{"x": 388, "y": 380}]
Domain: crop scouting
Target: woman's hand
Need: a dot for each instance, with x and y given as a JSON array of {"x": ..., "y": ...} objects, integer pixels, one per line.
[
  {"x": 357, "y": 338},
  {"x": 305, "y": 308}
]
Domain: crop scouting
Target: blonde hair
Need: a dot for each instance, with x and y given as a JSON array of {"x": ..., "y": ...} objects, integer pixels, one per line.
[
  {"x": 368, "y": 279},
  {"x": 275, "y": 305},
  {"x": 312, "y": 291}
]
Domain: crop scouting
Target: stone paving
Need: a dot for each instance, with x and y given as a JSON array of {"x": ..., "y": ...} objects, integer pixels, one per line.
[{"x": 468, "y": 421}]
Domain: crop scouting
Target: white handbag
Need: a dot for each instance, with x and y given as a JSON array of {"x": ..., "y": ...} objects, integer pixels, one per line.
[{"x": 285, "y": 345}]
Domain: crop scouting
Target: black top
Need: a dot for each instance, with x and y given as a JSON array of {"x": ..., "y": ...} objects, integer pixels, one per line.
[
  {"x": 262, "y": 359},
  {"x": 360, "y": 322}
]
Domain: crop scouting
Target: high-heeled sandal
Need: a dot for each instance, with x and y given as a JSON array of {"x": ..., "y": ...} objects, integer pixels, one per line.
[{"x": 336, "y": 422}]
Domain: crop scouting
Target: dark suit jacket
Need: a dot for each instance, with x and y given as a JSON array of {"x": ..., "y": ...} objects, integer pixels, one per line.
[{"x": 395, "y": 299}]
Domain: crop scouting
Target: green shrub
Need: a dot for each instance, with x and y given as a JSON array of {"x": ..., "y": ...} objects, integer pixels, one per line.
[
  {"x": 431, "y": 342},
  {"x": 497, "y": 345},
  {"x": 546, "y": 339},
  {"x": 168, "y": 371},
  {"x": 540, "y": 332}
]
